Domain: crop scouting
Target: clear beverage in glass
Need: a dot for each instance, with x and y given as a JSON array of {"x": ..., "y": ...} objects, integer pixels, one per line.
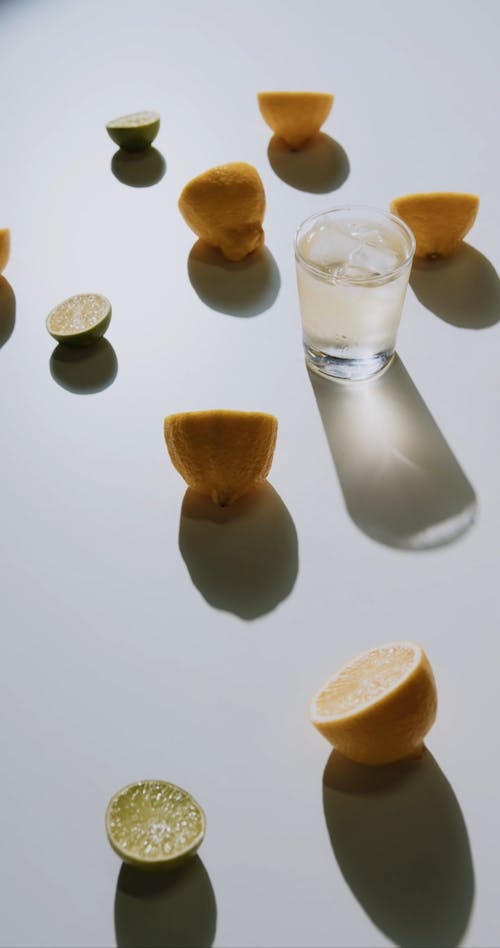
[{"x": 353, "y": 265}]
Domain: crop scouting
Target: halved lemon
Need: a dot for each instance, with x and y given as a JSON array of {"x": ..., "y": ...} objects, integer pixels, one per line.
[
  {"x": 4, "y": 247},
  {"x": 295, "y": 116},
  {"x": 134, "y": 132},
  {"x": 378, "y": 708},
  {"x": 439, "y": 220},
  {"x": 153, "y": 824},
  {"x": 80, "y": 320},
  {"x": 222, "y": 454},
  {"x": 225, "y": 207}
]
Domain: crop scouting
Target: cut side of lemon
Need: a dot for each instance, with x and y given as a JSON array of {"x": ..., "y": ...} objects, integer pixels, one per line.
[
  {"x": 134, "y": 132},
  {"x": 222, "y": 454},
  {"x": 4, "y": 247},
  {"x": 80, "y": 320},
  {"x": 439, "y": 220},
  {"x": 225, "y": 207},
  {"x": 295, "y": 116},
  {"x": 153, "y": 824},
  {"x": 378, "y": 708}
]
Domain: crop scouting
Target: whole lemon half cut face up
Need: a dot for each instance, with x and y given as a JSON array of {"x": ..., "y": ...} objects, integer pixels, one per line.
[
  {"x": 222, "y": 454},
  {"x": 225, "y": 207},
  {"x": 378, "y": 708},
  {"x": 439, "y": 220},
  {"x": 295, "y": 116}
]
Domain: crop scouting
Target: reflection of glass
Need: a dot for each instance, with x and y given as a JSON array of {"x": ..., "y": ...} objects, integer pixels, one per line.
[
  {"x": 400, "y": 840},
  {"x": 353, "y": 265},
  {"x": 402, "y": 484}
]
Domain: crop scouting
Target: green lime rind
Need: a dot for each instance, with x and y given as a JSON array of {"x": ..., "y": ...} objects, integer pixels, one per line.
[
  {"x": 154, "y": 825},
  {"x": 134, "y": 132},
  {"x": 79, "y": 320}
]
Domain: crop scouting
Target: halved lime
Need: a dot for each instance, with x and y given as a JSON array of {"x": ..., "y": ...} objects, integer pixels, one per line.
[
  {"x": 80, "y": 320},
  {"x": 134, "y": 132},
  {"x": 153, "y": 824}
]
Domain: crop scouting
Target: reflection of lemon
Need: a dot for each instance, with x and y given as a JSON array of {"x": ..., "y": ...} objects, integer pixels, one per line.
[
  {"x": 439, "y": 220},
  {"x": 222, "y": 454},
  {"x": 225, "y": 207},
  {"x": 4, "y": 247},
  {"x": 80, "y": 320},
  {"x": 134, "y": 132},
  {"x": 153, "y": 824},
  {"x": 378, "y": 708},
  {"x": 295, "y": 116}
]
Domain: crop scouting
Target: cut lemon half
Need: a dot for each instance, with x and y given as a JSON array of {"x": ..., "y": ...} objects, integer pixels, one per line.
[
  {"x": 134, "y": 132},
  {"x": 295, "y": 116},
  {"x": 225, "y": 207},
  {"x": 153, "y": 824},
  {"x": 222, "y": 454},
  {"x": 439, "y": 220},
  {"x": 4, "y": 247},
  {"x": 80, "y": 320},
  {"x": 378, "y": 708}
]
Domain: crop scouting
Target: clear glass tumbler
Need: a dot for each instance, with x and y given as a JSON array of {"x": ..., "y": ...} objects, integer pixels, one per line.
[{"x": 353, "y": 265}]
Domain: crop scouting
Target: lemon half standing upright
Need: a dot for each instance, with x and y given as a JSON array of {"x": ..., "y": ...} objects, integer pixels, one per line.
[
  {"x": 222, "y": 454},
  {"x": 378, "y": 708}
]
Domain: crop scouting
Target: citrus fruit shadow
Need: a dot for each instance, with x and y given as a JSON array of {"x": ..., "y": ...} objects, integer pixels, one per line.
[
  {"x": 402, "y": 485},
  {"x": 401, "y": 843},
  {"x": 175, "y": 909},
  {"x": 138, "y": 169},
  {"x": 320, "y": 166},
  {"x": 84, "y": 371},
  {"x": 7, "y": 311},
  {"x": 242, "y": 558},
  {"x": 244, "y": 288},
  {"x": 462, "y": 289}
]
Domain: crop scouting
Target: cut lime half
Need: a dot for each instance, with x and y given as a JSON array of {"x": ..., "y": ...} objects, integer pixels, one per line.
[
  {"x": 80, "y": 320},
  {"x": 134, "y": 132},
  {"x": 153, "y": 824}
]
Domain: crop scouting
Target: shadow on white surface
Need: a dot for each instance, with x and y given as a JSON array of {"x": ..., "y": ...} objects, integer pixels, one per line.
[
  {"x": 174, "y": 909},
  {"x": 244, "y": 288},
  {"x": 320, "y": 166},
  {"x": 401, "y": 482},
  {"x": 243, "y": 558},
  {"x": 84, "y": 371},
  {"x": 138, "y": 169},
  {"x": 7, "y": 311},
  {"x": 400, "y": 840},
  {"x": 463, "y": 289}
]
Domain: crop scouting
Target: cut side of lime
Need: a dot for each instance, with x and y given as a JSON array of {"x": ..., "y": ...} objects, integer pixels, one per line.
[
  {"x": 134, "y": 132},
  {"x": 153, "y": 824},
  {"x": 80, "y": 320}
]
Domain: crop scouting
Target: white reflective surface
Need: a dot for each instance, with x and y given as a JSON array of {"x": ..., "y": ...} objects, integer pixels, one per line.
[{"x": 125, "y": 655}]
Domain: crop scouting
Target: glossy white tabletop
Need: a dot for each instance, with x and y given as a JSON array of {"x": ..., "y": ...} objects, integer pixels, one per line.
[{"x": 140, "y": 636}]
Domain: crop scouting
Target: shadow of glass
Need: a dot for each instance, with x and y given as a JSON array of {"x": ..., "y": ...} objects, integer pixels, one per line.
[
  {"x": 175, "y": 909},
  {"x": 463, "y": 290},
  {"x": 400, "y": 840},
  {"x": 402, "y": 484},
  {"x": 243, "y": 558},
  {"x": 84, "y": 371},
  {"x": 7, "y": 311},
  {"x": 139, "y": 169},
  {"x": 244, "y": 288},
  {"x": 320, "y": 166}
]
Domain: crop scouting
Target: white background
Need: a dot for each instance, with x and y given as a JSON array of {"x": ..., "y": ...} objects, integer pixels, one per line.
[{"x": 116, "y": 664}]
